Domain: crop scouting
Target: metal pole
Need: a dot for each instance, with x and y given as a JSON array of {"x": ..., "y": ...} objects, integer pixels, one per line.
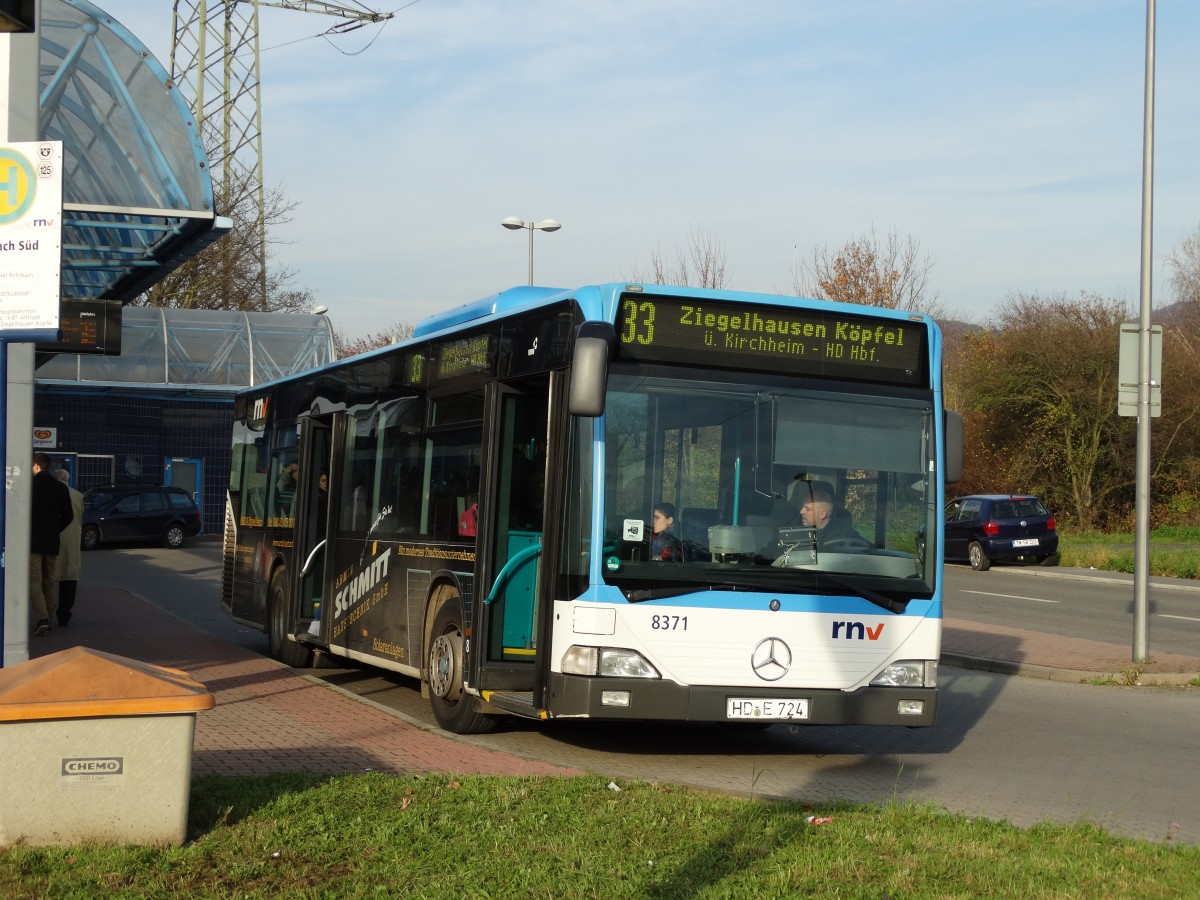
[
  {"x": 4, "y": 495},
  {"x": 19, "y": 55},
  {"x": 529, "y": 225},
  {"x": 1141, "y": 550}
]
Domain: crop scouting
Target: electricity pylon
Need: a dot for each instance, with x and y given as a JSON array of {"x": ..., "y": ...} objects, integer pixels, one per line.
[{"x": 215, "y": 64}]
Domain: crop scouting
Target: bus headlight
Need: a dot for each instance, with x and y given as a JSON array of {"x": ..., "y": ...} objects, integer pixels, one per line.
[
  {"x": 612, "y": 662},
  {"x": 908, "y": 673},
  {"x": 625, "y": 664}
]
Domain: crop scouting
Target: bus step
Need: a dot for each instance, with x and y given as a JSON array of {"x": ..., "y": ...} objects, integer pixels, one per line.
[
  {"x": 306, "y": 639},
  {"x": 517, "y": 702}
]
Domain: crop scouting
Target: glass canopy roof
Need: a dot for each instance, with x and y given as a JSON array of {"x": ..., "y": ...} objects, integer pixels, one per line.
[
  {"x": 137, "y": 194},
  {"x": 199, "y": 350}
]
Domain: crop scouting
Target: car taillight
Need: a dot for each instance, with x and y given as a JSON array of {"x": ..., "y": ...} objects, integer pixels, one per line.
[
  {"x": 991, "y": 526},
  {"x": 1050, "y": 524}
]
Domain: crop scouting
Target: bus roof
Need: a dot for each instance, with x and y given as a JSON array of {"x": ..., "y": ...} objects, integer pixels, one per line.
[
  {"x": 593, "y": 299},
  {"x": 503, "y": 302}
]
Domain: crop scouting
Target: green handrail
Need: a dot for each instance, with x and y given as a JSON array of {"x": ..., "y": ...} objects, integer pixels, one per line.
[{"x": 505, "y": 575}]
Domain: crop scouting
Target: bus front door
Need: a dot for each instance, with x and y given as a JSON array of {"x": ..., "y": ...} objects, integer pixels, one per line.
[
  {"x": 311, "y": 527},
  {"x": 519, "y": 492}
]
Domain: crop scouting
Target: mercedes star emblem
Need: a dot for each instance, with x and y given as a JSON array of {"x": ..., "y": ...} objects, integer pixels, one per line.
[{"x": 771, "y": 659}]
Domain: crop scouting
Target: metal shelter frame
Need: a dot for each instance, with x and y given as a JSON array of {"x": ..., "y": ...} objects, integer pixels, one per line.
[
  {"x": 137, "y": 191},
  {"x": 137, "y": 203}
]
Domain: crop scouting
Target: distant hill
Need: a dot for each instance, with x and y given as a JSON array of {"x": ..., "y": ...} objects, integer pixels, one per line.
[
  {"x": 1179, "y": 314},
  {"x": 953, "y": 329}
]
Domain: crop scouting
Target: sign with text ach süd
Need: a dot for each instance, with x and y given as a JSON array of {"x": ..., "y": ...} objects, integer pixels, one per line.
[
  {"x": 30, "y": 235},
  {"x": 811, "y": 342}
]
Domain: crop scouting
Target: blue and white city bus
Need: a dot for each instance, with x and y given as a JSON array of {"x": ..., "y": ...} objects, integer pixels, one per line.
[{"x": 473, "y": 508}]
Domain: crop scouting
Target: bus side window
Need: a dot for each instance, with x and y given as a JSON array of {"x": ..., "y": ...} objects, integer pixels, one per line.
[
  {"x": 284, "y": 474},
  {"x": 453, "y": 477}
]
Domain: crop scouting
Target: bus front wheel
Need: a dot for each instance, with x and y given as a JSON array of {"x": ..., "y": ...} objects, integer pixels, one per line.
[
  {"x": 452, "y": 706},
  {"x": 279, "y": 625}
]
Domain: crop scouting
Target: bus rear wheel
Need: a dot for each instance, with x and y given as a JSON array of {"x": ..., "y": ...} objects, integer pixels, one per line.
[
  {"x": 452, "y": 706},
  {"x": 279, "y": 625}
]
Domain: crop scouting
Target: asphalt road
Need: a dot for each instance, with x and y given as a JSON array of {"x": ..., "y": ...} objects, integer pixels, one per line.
[
  {"x": 1098, "y": 606},
  {"x": 1011, "y": 748}
]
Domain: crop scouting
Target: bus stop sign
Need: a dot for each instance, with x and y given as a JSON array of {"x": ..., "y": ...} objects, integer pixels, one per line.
[{"x": 1128, "y": 370}]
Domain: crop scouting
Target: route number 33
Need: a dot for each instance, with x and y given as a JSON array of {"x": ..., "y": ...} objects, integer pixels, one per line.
[{"x": 637, "y": 322}]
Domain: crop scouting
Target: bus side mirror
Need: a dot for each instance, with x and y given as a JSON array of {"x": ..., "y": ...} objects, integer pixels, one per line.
[
  {"x": 952, "y": 428},
  {"x": 589, "y": 368}
]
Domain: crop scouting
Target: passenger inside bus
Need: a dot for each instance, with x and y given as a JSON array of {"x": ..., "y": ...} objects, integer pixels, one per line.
[
  {"x": 285, "y": 488},
  {"x": 663, "y": 544},
  {"x": 467, "y": 522}
]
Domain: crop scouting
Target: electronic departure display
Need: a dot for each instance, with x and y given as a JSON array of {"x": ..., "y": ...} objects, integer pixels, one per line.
[
  {"x": 87, "y": 326},
  {"x": 754, "y": 336}
]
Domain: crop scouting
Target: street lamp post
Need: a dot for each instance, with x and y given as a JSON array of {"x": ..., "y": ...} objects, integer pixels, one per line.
[{"x": 513, "y": 223}]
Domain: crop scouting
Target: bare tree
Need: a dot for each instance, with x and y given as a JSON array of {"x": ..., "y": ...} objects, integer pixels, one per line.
[
  {"x": 232, "y": 273},
  {"x": 1040, "y": 391},
  {"x": 401, "y": 331},
  {"x": 1185, "y": 263},
  {"x": 893, "y": 275},
  {"x": 702, "y": 265}
]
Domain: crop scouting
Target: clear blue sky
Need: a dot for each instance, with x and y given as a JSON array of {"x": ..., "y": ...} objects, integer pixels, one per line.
[{"x": 1004, "y": 137}]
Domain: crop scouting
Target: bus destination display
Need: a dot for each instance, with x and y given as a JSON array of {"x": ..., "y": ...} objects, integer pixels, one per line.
[
  {"x": 465, "y": 356},
  {"x": 800, "y": 342}
]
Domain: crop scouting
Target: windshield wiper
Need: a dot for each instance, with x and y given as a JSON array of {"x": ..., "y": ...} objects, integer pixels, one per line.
[
  {"x": 821, "y": 583},
  {"x": 824, "y": 583},
  {"x": 888, "y": 603},
  {"x": 662, "y": 593}
]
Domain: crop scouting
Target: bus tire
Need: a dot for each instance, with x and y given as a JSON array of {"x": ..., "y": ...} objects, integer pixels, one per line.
[
  {"x": 279, "y": 625},
  {"x": 454, "y": 709}
]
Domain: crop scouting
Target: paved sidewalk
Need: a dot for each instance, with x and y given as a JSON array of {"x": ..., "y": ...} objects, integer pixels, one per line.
[
  {"x": 269, "y": 718},
  {"x": 1010, "y": 651}
]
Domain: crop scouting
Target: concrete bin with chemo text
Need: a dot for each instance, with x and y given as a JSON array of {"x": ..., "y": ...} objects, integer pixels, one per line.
[{"x": 96, "y": 748}]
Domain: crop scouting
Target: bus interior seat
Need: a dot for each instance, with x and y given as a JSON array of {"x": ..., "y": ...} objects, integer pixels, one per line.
[
  {"x": 694, "y": 522},
  {"x": 801, "y": 490},
  {"x": 284, "y": 502},
  {"x": 445, "y": 521},
  {"x": 255, "y": 499}
]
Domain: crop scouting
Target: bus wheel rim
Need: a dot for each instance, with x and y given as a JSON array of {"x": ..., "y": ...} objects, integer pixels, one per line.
[{"x": 444, "y": 678}]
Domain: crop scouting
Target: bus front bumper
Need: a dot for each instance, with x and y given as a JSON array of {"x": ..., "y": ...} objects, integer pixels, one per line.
[{"x": 584, "y": 697}]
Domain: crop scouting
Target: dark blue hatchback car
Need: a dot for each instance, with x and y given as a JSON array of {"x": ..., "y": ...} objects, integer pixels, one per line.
[
  {"x": 138, "y": 513},
  {"x": 986, "y": 528}
]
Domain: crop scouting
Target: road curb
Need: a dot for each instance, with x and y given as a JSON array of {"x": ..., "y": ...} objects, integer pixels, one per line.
[
  {"x": 1077, "y": 574},
  {"x": 1073, "y": 676}
]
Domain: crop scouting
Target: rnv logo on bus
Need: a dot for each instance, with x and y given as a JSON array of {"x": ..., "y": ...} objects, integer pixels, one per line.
[
  {"x": 361, "y": 585},
  {"x": 856, "y": 631},
  {"x": 259, "y": 414}
]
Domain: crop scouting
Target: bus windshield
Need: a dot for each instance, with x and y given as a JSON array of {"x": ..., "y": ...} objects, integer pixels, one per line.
[{"x": 759, "y": 482}]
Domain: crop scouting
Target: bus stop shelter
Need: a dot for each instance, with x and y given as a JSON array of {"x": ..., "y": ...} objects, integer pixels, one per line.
[{"x": 137, "y": 203}]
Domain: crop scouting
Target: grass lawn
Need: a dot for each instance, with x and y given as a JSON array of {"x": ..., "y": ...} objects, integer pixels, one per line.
[
  {"x": 1174, "y": 552},
  {"x": 378, "y": 835}
]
